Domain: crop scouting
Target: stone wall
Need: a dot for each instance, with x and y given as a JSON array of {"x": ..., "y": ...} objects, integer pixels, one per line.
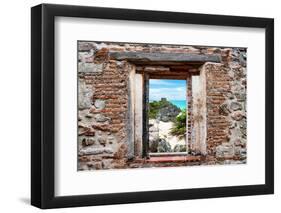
[
  {"x": 103, "y": 116},
  {"x": 226, "y": 108},
  {"x": 107, "y": 101}
]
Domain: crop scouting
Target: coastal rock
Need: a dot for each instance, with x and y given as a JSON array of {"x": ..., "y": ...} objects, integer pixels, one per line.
[
  {"x": 153, "y": 136},
  {"x": 180, "y": 148},
  {"x": 163, "y": 146},
  {"x": 165, "y": 111}
]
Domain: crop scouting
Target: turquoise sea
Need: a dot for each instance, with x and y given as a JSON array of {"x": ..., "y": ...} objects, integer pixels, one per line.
[{"x": 179, "y": 103}]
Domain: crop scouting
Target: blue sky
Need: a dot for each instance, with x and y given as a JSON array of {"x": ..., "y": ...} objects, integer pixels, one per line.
[{"x": 170, "y": 89}]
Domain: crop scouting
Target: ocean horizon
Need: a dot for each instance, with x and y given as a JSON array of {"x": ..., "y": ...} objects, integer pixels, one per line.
[{"x": 179, "y": 103}]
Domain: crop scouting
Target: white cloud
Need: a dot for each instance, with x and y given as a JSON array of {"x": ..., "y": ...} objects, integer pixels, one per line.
[
  {"x": 177, "y": 93},
  {"x": 154, "y": 82}
]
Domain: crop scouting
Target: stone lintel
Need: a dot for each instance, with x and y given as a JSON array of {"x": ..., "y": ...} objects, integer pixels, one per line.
[{"x": 156, "y": 57}]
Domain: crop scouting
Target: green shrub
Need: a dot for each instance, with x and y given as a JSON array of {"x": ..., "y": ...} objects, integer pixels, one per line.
[
  {"x": 155, "y": 106},
  {"x": 179, "y": 126}
]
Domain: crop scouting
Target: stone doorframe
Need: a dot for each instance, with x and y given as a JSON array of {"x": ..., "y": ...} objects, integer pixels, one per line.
[{"x": 165, "y": 65}]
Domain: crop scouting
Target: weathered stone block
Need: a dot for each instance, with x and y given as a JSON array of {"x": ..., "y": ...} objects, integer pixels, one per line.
[
  {"x": 238, "y": 115},
  {"x": 225, "y": 150},
  {"x": 85, "y": 96},
  {"x": 89, "y": 115},
  {"x": 107, "y": 164},
  {"x": 94, "y": 165},
  {"x": 85, "y": 46},
  {"x": 101, "y": 140},
  {"x": 95, "y": 150},
  {"x": 241, "y": 97},
  {"x": 99, "y": 104},
  {"x": 101, "y": 118},
  {"x": 90, "y": 67},
  {"x": 235, "y": 106},
  {"x": 88, "y": 141}
]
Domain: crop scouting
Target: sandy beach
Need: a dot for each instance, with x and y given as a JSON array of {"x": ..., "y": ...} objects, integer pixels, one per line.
[{"x": 164, "y": 129}]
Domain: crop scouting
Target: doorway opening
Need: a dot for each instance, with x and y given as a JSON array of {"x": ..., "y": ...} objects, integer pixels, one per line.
[{"x": 167, "y": 117}]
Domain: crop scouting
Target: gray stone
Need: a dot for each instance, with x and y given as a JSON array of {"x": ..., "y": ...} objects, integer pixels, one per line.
[
  {"x": 99, "y": 104},
  {"x": 232, "y": 125},
  {"x": 107, "y": 163},
  {"x": 85, "y": 46},
  {"x": 164, "y": 118},
  {"x": 101, "y": 140},
  {"x": 85, "y": 96},
  {"x": 82, "y": 166},
  {"x": 168, "y": 112},
  {"x": 234, "y": 65},
  {"x": 121, "y": 63},
  {"x": 88, "y": 141},
  {"x": 237, "y": 150},
  {"x": 90, "y": 67},
  {"x": 111, "y": 139},
  {"x": 163, "y": 146},
  {"x": 230, "y": 95},
  {"x": 235, "y": 106},
  {"x": 89, "y": 115},
  {"x": 101, "y": 118},
  {"x": 238, "y": 115},
  {"x": 86, "y": 56},
  {"x": 180, "y": 148},
  {"x": 244, "y": 133},
  {"x": 243, "y": 124},
  {"x": 240, "y": 142},
  {"x": 243, "y": 151},
  {"x": 235, "y": 134},
  {"x": 225, "y": 150},
  {"x": 94, "y": 165},
  {"x": 242, "y": 59},
  {"x": 95, "y": 150},
  {"x": 240, "y": 97},
  {"x": 153, "y": 141},
  {"x": 237, "y": 87},
  {"x": 99, "y": 46}
]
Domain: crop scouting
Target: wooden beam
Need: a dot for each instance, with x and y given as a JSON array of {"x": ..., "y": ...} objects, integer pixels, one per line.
[
  {"x": 170, "y": 76},
  {"x": 171, "y": 57}
]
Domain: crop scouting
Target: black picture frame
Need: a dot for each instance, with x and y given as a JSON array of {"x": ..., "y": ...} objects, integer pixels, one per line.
[{"x": 43, "y": 102}]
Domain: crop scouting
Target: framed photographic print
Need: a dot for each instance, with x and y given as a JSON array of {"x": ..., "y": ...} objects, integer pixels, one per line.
[{"x": 139, "y": 106}]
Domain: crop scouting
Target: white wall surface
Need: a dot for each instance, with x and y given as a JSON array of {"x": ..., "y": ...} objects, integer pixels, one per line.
[{"x": 15, "y": 105}]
